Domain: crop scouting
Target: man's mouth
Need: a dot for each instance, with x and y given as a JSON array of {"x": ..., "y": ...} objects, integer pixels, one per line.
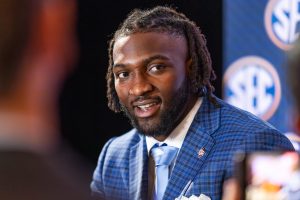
[{"x": 146, "y": 108}]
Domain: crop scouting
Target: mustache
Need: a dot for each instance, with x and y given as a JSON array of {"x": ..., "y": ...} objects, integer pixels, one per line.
[{"x": 145, "y": 97}]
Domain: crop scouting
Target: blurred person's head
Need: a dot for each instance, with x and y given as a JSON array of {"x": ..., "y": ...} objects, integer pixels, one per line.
[
  {"x": 293, "y": 73},
  {"x": 37, "y": 50}
]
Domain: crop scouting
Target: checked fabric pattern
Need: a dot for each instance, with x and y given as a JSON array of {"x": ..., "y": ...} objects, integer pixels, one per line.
[{"x": 220, "y": 131}]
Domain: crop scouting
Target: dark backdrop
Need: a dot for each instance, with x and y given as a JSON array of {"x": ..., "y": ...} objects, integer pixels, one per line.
[{"x": 86, "y": 122}]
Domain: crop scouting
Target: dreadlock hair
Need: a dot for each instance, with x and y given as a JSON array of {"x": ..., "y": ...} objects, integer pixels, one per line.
[{"x": 166, "y": 20}]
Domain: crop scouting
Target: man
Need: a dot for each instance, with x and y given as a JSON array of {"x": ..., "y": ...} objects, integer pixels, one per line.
[
  {"x": 160, "y": 76},
  {"x": 37, "y": 48}
]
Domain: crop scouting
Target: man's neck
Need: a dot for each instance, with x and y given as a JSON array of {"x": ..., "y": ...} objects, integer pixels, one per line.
[
  {"x": 190, "y": 104},
  {"x": 177, "y": 136}
]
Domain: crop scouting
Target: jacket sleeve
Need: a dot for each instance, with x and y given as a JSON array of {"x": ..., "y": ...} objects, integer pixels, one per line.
[{"x": 97, "y": 182}]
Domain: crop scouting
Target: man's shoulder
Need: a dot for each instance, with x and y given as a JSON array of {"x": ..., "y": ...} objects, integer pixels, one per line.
[
  {"x": 131, "y": 136},
  {"x": 222, "y": 115},
  {"x": 241, "y": 117},
  {"x": 125, "y": 141},
  {"x": 244, "y": 127}
]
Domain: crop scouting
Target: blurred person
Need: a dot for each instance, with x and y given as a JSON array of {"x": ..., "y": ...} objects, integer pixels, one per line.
[
  {"x": 37, "y": 51},
  {"x": 159, "y": 75},
  {"x": 293, "y": 72}
]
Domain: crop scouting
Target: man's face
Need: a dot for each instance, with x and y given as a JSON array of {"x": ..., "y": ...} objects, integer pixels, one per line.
[{"x": 150, "y": 72}]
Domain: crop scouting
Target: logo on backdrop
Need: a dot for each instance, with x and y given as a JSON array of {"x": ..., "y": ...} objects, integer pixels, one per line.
[
  {"x": 282, "y": 22},
  {"x": 252, "y": 83}
]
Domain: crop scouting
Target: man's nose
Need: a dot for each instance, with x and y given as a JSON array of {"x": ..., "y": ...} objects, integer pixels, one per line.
[{"x": 140, "y": 86}]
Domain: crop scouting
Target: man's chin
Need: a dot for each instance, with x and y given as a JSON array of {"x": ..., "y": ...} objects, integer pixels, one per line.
[
  {"x": 151, "y": 128},
  {"x": 147, "y": 126}
]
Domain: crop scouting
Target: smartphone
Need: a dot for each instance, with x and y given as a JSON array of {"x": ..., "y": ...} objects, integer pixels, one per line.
[{"x": 269, "y": 175}]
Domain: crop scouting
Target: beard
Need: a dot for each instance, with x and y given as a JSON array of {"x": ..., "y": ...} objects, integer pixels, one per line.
[{"x": 169, "y": 117}]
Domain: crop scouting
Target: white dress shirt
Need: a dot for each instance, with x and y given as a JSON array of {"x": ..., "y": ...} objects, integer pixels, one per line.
[
  {"x": 177, "y": 136},
  {"x": 175, "y": 139}
]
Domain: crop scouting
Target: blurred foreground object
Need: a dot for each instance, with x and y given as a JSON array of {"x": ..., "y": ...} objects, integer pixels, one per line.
[
  {"x": 37, "y": 49},
  {"x": 293, "y": 72}
]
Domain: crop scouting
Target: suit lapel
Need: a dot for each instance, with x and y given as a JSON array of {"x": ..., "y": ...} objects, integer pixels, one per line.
[
  {"x": 138, "y": 170},
  {"x": 197, "y": 141}
]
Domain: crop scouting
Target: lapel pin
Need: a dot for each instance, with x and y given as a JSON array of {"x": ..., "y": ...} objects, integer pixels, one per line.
[{"x": 201, "y": 152}]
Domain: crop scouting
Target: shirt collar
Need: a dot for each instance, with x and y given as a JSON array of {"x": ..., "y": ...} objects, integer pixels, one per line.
[{"x": 177, "y": 136}]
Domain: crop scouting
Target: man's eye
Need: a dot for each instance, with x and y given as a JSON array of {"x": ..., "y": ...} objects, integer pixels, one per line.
[
  {"x": 122, "y": 75},
  {"x": 156, "y": 68}
]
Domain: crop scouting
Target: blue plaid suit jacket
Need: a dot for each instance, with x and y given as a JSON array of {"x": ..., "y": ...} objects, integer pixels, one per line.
[{"x": 122, "y": 173}]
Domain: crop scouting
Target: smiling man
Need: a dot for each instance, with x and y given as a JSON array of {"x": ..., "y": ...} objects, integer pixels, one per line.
[
  {"x": 184, "y": 138},
  {"x": 151, "y": 82}
]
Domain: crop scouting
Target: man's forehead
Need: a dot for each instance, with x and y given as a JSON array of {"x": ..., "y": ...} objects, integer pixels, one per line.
[
  {"x": 149, "y": 41},
  {"x": 173, "y": 35}
]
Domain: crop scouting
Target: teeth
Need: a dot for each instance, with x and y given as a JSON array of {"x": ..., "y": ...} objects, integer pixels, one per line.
[{"x": 146, "y": 106}]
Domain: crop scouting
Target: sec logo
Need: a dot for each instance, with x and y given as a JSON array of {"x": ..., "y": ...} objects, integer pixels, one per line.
[
  {"x": 251, "y": 83},
  {"x": 282, "y": 22}
]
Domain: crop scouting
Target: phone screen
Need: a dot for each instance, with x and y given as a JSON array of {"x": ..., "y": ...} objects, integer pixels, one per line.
[{"x": 272, "y": 176}]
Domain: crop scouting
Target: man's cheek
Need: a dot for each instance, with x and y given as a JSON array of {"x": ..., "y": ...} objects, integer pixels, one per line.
[
  {"x": 121, "y": 95},
  {"x": 168, "y": 93}
]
